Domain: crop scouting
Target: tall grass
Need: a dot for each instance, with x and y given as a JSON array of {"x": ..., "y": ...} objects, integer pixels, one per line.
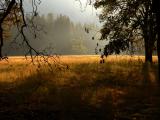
[{"x": 121, "y": 88}]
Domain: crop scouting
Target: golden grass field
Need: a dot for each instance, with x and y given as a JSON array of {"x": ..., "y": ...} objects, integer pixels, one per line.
[
  {"x": 19, "y": 67},
  {"x": 123, "y": 88}
]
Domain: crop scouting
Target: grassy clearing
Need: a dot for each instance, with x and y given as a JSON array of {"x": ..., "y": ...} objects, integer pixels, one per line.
[{"x": 124, "y": 88}]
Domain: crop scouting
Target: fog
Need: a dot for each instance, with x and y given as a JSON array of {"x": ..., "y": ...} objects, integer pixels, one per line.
[
  {"x": 70, "y": 8},
  {"x": 57, "y": 34},
  {"x": 62, "y": 27}
]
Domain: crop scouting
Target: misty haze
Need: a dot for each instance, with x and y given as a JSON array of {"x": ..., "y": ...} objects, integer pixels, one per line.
[
  {"x": 79, "y": 59},
  {"x": 62, "y": 30}
]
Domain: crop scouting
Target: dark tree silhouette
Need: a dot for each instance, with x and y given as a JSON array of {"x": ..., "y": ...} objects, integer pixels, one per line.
[
  {"x": 125, "y": 22},
  {"x": 13, "y": 11},
  {"x": 156, "y": 10}
]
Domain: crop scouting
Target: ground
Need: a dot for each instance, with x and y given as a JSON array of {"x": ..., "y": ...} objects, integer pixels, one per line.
[{"x": 79, "y": 88}]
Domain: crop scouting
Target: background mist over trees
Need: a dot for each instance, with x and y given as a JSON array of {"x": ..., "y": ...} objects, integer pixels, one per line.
[{"x": 56, "y": 34}]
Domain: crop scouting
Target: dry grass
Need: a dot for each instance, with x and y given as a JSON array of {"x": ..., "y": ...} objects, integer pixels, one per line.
[
  {"x": 121, "y": 88},
  {"x": 18, "y": 67}
]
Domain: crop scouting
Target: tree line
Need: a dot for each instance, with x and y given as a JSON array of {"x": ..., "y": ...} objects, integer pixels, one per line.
[{"x": 55, "y": 32}]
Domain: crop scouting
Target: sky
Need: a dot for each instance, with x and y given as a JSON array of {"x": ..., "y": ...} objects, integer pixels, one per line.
[{"x": 70, "y": 8}]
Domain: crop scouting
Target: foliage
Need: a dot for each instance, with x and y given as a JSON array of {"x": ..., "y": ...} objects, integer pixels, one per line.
[
  {"x": 127, "y": 22},
  {"x": 14, "y": 13}
]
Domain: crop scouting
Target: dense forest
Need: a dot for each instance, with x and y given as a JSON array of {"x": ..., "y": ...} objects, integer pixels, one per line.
[{"x": 56, "y": 34}]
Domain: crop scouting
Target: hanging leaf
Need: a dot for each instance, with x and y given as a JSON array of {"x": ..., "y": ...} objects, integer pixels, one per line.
[{"x": 86, "y": 30}]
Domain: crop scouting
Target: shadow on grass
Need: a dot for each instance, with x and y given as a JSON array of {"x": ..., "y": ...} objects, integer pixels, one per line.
[
  {"x": 40, "y": 99},
  {"x": 107, "y": 97}
]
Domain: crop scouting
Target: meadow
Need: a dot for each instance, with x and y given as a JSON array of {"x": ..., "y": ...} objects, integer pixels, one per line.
[{"x": 80, "y": 88}]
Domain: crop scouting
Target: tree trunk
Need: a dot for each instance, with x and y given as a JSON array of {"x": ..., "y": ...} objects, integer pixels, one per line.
[
  {"x": 148, "y": 46},
  {"x": 0, "y": 53},
  {"x": 156, "y": 10},
  {"x": 148, "y": 49},
  {"x": 1, "y": 40},
  {"x": 158, "y": 43},
  {"x": 146, "y": 35}
]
